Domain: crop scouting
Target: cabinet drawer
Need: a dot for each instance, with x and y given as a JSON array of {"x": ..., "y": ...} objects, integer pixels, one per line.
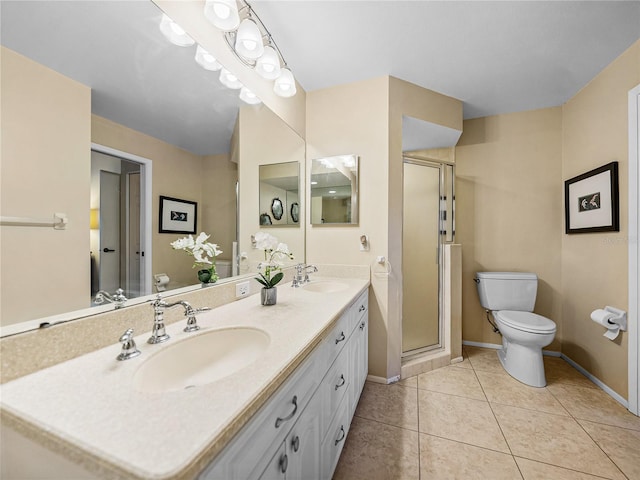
[
  {"x": 359, "y": 309},
  {"x": 336, "y": 339},
  {"x": 270, "y": 425},
  {"x": 333, "y": 388},
  {"x": 334, "y": 441}
]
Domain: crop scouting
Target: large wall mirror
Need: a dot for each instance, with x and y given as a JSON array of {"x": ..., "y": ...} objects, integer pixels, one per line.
[
  {"x": 279, "y": 194},
  {"x": 334, "y": 190},
  {"x": 124, "y": 99}
]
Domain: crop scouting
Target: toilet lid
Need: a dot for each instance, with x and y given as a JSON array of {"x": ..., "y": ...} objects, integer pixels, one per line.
[{"x": 526, "y": 321}]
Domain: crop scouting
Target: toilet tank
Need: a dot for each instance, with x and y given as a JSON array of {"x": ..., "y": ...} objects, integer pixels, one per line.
[{"x": 507, "y": 290}]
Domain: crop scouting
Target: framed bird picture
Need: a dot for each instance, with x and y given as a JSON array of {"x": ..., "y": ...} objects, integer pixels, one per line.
[{"x": 591, "y": 201}]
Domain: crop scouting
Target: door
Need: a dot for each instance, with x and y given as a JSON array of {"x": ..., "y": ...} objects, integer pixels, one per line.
[
  {"x": 109, "y": 254},
  {"x": 420, "y": 257}
]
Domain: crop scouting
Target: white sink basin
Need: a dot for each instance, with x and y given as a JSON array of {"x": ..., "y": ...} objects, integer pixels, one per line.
[
  {"x": 201, "y": 359},
  {"x": 325, "y": 287}
]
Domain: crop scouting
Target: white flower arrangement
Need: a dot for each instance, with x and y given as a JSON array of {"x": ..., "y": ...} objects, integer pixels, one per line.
[
  {"x": 203, "y": 252},
  {"x": 274, "y": 251}
]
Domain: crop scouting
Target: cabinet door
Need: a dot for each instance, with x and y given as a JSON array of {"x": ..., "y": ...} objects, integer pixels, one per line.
[
  {"x": 359, "y": 345},
  {"x": 278, "y": 466},
  {"x": 303, "y": 444}
]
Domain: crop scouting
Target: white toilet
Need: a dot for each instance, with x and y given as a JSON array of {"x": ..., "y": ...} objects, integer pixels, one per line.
[{"x": 510, "y": 297}]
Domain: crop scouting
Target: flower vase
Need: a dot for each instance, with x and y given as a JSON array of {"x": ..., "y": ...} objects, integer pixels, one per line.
[
  {"x": 269, "y": 296},
  {"x": 208, "y": 276}
]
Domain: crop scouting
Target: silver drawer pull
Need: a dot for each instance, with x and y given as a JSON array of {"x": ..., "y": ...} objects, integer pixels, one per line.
[
  {"x": 342, "y": 382},
  {"x": 362, "y": 325},
  {"x": 295, "y": 443},
  {"x": 284, "y": 463},
  {"x": 362, "y": 308},
  {"x": 341, "y": 435},
  {"x": 341, "y": 338},
  {"x": 280, "y": 420}
]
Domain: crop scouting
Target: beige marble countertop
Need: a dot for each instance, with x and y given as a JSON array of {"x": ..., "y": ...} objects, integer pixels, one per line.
[{"x": 88, "y": 410}]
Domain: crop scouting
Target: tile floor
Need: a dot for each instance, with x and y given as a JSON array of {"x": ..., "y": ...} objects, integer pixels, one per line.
[{"x": 473, "y": 421}]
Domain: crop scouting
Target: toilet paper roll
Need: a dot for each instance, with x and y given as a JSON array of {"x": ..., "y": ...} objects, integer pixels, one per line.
[
  {"x": 162, "y": 280},
  {"x": 603, "y": 318}
]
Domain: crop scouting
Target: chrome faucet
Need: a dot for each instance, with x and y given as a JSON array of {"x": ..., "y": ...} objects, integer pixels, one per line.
[
  {"x": 159, "y": 334},
  {"x": 129, "y": 349},
  {"x": 306, "y": 272},
  {"x": 299, "y": 278},
  {"x": 118, "y": 298}
]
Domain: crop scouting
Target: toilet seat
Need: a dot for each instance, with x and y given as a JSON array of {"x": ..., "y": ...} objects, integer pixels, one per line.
[{"x": 526, "y": 321}]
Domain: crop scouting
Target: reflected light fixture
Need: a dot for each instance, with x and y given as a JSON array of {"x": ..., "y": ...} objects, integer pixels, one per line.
[
  {"x": 206, "y": 60},
  {"x": 223, "y": 14},
  {"x": 249, "y": 97},
  {"x": 229, "y": 80},
  {"x": 174, "y": 32},
  {"x": 285, "y": 84},
  {"x": 249, "y": 40},
  {"x": 268, "y": 65}
]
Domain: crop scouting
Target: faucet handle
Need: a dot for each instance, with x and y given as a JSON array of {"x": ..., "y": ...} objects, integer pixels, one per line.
[
  {"x": 129, "y": 348},
  {"x": 192, "y": 322}
]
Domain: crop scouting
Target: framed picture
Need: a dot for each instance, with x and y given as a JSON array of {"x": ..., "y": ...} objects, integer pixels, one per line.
[
  {"x": 591, "y": 202},
  {"x": 177, "y": 216}
]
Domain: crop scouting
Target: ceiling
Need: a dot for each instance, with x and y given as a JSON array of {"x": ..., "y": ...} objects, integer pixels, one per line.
[{"x": 496, "y": 57}]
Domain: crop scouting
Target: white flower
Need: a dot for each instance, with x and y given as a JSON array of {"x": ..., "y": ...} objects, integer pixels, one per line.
[
  {"x": 264, "y": 241},
  {"x": 183, "y": 243},
  {"x": 202, "y": 251},
  {"x": 283, "y": 248}
]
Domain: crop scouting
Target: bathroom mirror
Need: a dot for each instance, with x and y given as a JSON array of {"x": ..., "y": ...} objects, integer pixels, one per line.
[
  {"x": 279, "y": 194},
  {"x": 194, "y": 155},
  {"x": 334, "y": 190}
]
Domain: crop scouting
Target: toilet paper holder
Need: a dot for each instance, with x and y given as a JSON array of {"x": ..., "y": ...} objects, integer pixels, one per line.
[{"x": 619, "y": 318}]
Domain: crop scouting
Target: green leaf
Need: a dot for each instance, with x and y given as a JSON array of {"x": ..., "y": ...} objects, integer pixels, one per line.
[
  {"x": 276, "y": 278},
  {"x": 261, "y": 281}
]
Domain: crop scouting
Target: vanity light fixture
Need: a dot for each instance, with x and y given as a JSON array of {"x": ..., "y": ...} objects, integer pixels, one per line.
[
  {"x": 206, "y": 60},
  {"x": 249, "y": 97},
  {"x": 223, "y": 14},
  {"x": 251, "y": 42},
  {"x": 174, "y": 32},
  {"x": 229, "y": 80}
]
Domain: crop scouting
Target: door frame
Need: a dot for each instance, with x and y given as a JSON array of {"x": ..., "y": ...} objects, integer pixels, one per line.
[
  {"x": 145, "y": 211},
  {"x": 634, "y": 250}
]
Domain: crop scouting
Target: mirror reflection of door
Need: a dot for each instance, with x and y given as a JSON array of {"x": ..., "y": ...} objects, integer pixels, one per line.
[
  {"x": 132, "y": 235},
  {"x": 109, "y": 252}
]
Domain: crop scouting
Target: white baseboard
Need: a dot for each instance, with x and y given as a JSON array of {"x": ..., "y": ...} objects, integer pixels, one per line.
[
  {"x": 383, "y": 380},
  {"x": 549, "y": 353}
]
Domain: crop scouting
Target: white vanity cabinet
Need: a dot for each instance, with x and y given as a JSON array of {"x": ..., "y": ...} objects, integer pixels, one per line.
[{"x": 301, "y": 430}]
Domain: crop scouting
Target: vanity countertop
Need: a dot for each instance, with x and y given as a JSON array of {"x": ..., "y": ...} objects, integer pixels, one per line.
[{"x": 88, "y": 410}]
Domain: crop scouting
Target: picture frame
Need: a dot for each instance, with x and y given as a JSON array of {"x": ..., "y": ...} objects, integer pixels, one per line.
[
  {"x": 591, "y": 201},
  {"x": 177, "y": 216}
]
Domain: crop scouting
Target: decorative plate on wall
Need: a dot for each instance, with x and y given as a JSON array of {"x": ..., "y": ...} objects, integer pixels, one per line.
[{"x": 276, "y": 208}]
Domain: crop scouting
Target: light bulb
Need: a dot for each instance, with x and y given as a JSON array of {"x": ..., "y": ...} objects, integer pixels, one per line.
[
  {"x": 229, "y": 80},
  {"x": 285, "y": 84},
  {"x": 206, "y": 60},
  {"x": 268, "y": 65},
  {"x": 249, "y": 97},
  {"x": 174, "y": 32},
  {"x": 223, "y": 14},
  {"x": 249, "y": 40}
]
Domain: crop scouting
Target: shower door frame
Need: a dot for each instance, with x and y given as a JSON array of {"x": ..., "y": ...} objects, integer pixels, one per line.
[{"x": 440, "y": 165}]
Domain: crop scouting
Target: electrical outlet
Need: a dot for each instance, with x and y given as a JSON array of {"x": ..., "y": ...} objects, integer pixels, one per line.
[{"x": 242, "y": 289}]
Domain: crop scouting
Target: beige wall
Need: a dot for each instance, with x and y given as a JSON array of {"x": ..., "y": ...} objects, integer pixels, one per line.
[
  {"x": 595, "y": 266},
  {"x": 509, "y": 209},
  {"x": 365, "y": 118},
  {"x": 178, "y": 174},
  {"x": 265, "y": 139},
  {"x": 46, "y": 141}
]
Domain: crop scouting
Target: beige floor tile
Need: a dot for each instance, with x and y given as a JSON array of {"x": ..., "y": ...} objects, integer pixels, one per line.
[
  {"x": 506, "y": 390},
  {"x": 453, "y": 380},
  {"x": 448, "y": 460},
  {"x": 594, "y": 405},
  {"x": 541, "y": 471},
  {"x": 553, "y": 439},
  {"x": 410, "y": 382},
  {"x": 374, "y": 451},
  {"x": 391, "y": 404},
  {"x": 559, "y": 372},
  {"x": 465, "y": 363},
  {"x": 461, "y": 419},
  {"x": 485, "y": 359},
  {"x": 622, "y": 445}
]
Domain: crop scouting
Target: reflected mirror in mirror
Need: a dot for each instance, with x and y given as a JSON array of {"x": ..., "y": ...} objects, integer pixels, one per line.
[
  {"x": 130, "y": 103},
  {"x": 334, "y": 190},
  {"x": 279, "y": 194}
]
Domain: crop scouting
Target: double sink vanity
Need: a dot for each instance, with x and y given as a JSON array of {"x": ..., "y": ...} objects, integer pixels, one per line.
[{"x": 257, "y": 392}]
